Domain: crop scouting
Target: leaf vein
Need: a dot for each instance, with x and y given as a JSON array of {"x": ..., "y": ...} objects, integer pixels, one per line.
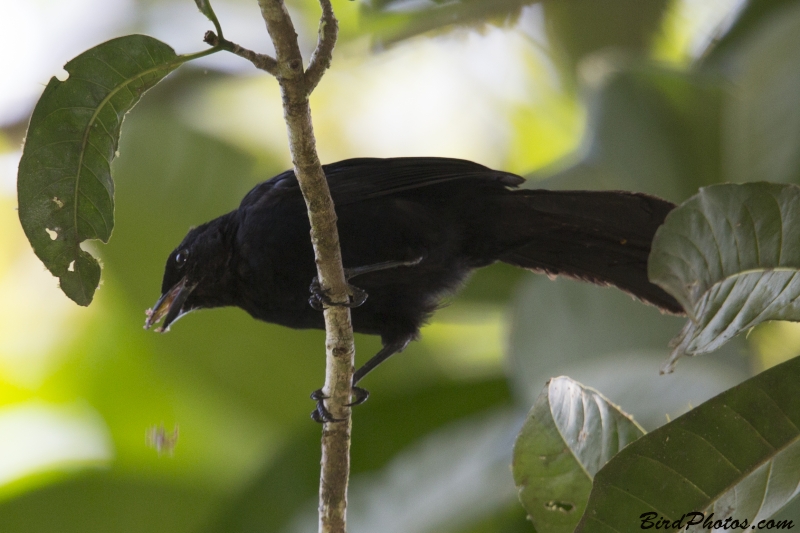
[{"x": 673, "y": 470}]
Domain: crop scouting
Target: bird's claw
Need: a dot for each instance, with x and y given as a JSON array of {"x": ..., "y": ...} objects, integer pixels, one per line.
[
  {"x": 360, "y": 395},
  {"x": 319, "y": 297},
  {"x": 321, "y": 413}
]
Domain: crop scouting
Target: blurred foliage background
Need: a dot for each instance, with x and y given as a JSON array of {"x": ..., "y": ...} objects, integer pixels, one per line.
[{"x": 662, "y": 96}]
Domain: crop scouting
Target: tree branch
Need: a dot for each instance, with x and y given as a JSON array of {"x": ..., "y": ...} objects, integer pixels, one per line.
[
  {"x": 261, "y": 61},
  {"x": 321, "y": 58},
  {"x": 340, "y": 349}
]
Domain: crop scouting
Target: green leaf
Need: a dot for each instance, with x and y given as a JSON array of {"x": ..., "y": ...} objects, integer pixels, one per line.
[
  {"x": 66, "y": 194},
  {"x": 649, "y": 129},
  {"x": 749, "y": 20},
  {"x": 730, "y": 255},
  {"x": 578, "y": 28},
  {"x": 205, "y": 8},
  {"x": 391, "y": 21},
  {"x": 736, "y": 455},
  {"x": 762, "y": 116},
  {"x": 570, "y": 433}
]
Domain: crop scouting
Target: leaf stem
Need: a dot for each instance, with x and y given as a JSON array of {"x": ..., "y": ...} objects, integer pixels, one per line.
[
  {"x": 197, "y": 55},
  {"x": 260, "y": 61}
]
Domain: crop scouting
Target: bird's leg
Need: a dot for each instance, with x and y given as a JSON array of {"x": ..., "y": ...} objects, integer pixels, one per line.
[
  {"x": 350, "y": 273},
  {"x": 321, "y": 413},
  {"x": 319, "y": 297}
]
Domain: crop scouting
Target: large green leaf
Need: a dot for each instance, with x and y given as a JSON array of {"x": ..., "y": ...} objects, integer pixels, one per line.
[
  {"x": 578, "y": 28},
  {"x": 570, "y": 433},
  {"x": 66, "y": 194},
  {"x": 750, "y": 19},
  {"x": 762, "y": 109},
  {"x": 736, "y": 455},
  {"x": 730, "y": 255}
]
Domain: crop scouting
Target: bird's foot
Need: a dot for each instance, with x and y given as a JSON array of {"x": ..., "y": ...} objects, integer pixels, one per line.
[
  {"x": 320, "y": 299},
  {"x": 321, "y": 413},
  {"x": 359, "y": 396}
]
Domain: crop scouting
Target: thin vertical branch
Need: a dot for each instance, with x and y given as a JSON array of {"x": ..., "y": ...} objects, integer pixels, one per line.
[{"x": 296, "y": 85}]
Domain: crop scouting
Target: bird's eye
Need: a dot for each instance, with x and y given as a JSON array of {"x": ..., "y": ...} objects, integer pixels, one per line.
[{"x": 181, "y": 257}]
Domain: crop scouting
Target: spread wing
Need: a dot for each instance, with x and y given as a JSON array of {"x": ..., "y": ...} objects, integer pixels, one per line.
[{"x": 354, "y": 180}]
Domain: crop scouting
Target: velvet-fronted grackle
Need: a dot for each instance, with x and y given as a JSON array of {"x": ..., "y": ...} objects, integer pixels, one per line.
[{"x": 411, "y": 231}]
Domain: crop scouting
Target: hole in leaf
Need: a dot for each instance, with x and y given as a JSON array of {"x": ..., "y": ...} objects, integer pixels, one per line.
[
  {"x": 52, "y": 233},
  {"x": 62, "y": 75},
  {"x": 71, "y": 266},
  {"x": 58, "y": 202},
  {"x": 563, "y": 507}
]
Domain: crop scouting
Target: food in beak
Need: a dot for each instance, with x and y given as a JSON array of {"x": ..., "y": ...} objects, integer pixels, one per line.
[{"x": 171, "y": 305}]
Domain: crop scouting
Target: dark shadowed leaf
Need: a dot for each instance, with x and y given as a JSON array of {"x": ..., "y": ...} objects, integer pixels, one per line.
[
  {"x": 570, "y": 433},
  {"x": 578, "y": 28},
  {"x": 608, "y": 341},
  {"x": 650, "y": 129},
  {"x": 736, "y": 455},
  {"x": 287, "y": 489},
  {"x": 66, "y": 194},
  {"x": 447, "y": 480},
  {"x": 730, "y": 255},
  {"x": 748, "y": 20},
  {"x": 762, "y": 110}
]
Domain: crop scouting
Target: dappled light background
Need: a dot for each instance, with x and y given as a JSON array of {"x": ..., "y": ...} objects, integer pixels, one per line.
[{"x": 577, "y": 94}]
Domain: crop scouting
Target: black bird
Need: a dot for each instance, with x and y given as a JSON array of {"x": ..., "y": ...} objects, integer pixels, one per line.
[{"x": 411, "y": 231}]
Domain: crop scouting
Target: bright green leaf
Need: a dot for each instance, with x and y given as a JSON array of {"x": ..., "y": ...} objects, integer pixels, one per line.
[
  {"x": 730, "y": 255},
  {"x": 66, "y": 194},
  {"x": 570, "y": 433},
  {"x": 736, "y": 455}
]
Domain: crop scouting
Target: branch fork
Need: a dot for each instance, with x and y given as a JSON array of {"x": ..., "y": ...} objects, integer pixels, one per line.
[{"x": 287, "y": 67}]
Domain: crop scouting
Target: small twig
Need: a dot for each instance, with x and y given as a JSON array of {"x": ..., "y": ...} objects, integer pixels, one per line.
[
  {"x": 321, "y": 58},
  {"x": 261, "y": 61}
]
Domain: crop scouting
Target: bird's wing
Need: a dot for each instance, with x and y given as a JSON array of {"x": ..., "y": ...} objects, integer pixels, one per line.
[
  {"x": 266, "y": 189},
  {"x": 353, "y": 180}
]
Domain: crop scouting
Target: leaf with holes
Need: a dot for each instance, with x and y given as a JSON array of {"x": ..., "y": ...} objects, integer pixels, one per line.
[
  {"x": 737, "y": 455},
  {"x": 730, "y": 255},
  {"x": 66, "y": 194},
  {"x": 570, "y": 433}
]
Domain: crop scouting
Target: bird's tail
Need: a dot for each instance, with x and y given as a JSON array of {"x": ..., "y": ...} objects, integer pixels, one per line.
[{"x": 602, "y": 237}]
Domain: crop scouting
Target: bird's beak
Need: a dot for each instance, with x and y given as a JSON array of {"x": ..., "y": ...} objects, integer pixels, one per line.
[{"x": 171, "y": 305}]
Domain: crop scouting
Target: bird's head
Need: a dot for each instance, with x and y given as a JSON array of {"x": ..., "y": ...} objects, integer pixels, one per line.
[{"x": 197, "y": 273}]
